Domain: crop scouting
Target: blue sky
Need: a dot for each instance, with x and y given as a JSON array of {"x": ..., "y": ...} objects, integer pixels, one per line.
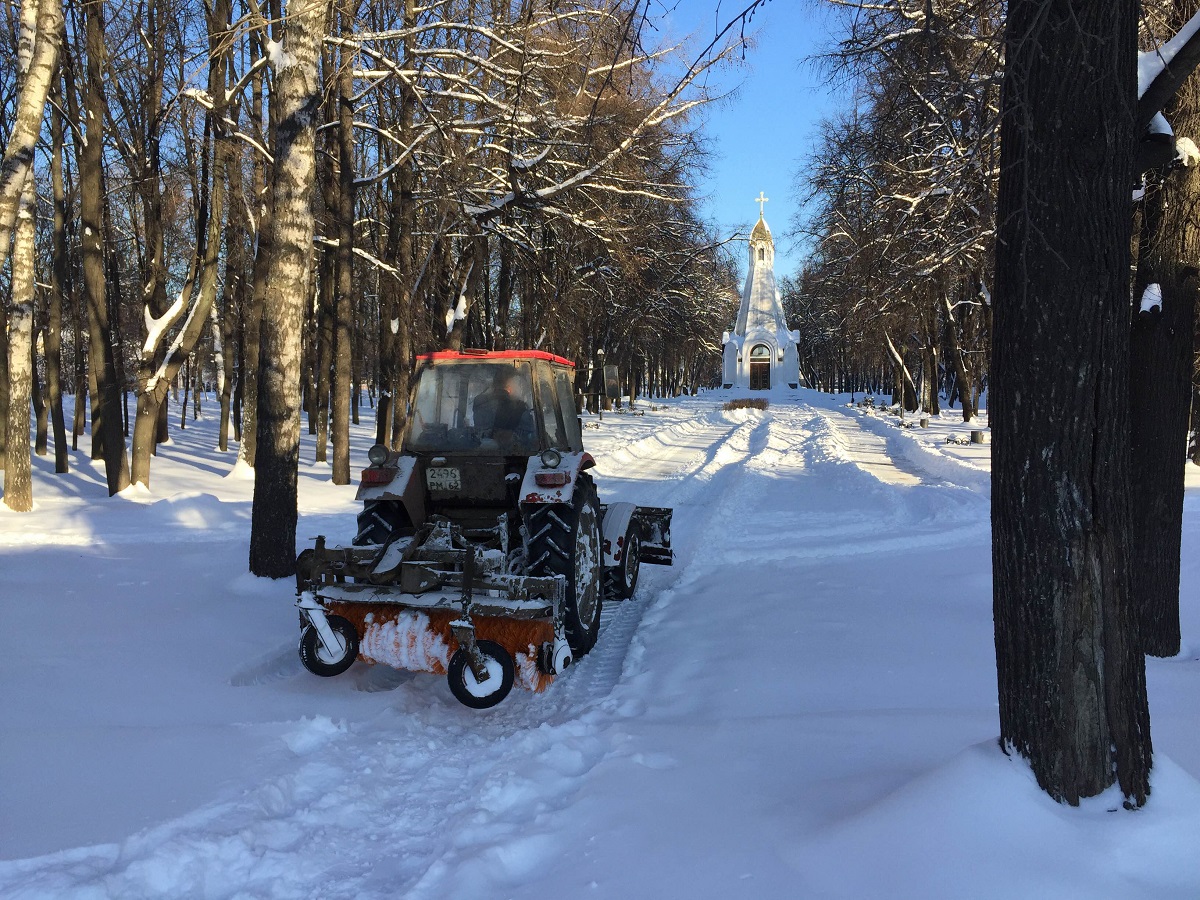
[{"x": 761, "y": 135}]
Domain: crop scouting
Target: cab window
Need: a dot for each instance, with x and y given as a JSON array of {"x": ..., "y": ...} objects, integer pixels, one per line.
[
  {"x": 570, "y": 414},
  {"x": 556, "y": 432}
]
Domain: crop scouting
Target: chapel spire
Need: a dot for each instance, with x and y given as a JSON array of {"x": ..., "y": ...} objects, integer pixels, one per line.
[{"x": 761, "y": 351}]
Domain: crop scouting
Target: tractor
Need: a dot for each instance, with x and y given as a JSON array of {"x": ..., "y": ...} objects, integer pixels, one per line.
[{"x": 482, "y": 551}]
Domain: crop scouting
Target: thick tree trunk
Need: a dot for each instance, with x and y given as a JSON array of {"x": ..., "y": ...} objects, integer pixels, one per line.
[
  {"x": 41, "y": 23},
  {"x": 18, "y": 472},
  {"x": 107, "y": 428},
  {"x": 1161, "y": 354},
  {"x": 1071, "y": 676},
  {"x": 274, "y": 513}
]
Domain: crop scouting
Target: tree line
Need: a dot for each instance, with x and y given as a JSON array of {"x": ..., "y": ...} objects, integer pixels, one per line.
[{"x": 289, "y": 202}]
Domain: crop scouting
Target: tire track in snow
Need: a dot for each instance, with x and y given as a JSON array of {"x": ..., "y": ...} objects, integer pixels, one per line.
[{"x": 706, "y": 459}]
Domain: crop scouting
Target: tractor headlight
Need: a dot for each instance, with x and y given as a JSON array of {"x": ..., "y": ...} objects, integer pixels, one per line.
[
  {"x": 551, "y": 458},
  {"x": 378, "y": 455}
]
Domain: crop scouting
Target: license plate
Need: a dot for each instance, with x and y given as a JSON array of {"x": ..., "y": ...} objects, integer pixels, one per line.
[{"x": 443, "y": 478}]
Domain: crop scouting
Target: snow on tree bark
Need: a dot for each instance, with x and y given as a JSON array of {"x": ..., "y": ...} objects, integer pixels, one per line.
[
  {"x": 273, "y": 518},
  {"x": 1071, "y": 676}
]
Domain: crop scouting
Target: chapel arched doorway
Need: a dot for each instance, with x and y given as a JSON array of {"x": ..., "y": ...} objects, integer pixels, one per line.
[{"x": 760, "y": 368}]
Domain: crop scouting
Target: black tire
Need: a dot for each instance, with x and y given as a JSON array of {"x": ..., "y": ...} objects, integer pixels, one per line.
[
  {"x": 621, "y": 580},
  {"x": 317, "y": 660},
  {"x": 466, "y": 689},
  {"x": 379, "y": 520},
  {"x": 565, "y": 540}
]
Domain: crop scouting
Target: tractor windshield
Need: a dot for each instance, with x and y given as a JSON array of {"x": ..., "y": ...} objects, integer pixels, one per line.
[{"x": 481, "y": 406}]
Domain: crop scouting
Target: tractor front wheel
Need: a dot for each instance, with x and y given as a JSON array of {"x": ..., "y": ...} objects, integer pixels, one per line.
[
  {"x": 470, "y": 691},
  {"x": 329, "y": 661}
]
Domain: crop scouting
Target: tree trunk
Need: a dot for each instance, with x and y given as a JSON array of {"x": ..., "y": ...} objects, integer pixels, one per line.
[
  {"x": 41, "y": 409},
  {"x": 82, "y": 382},
  {"x": 274, "y": 512},
  {"x": 343, "y": 304},
  {"x": 233, "y": 295},
  {"x": 59, "y": 279},
  {"x": 322, "y": 353},
  {"x": 1161, "y": 354},
  {"x": 1071, "y": 677},
  {"x": 37, "y": 60},
  {"x": 187, "y": 389},
  {"x": 18, "y": 472},
  {"x": 3, "y": 384},
  {"x": 966, "y": 386},
  {"x": 252, "y": 314},
  {"x": 106, "y": 409}
]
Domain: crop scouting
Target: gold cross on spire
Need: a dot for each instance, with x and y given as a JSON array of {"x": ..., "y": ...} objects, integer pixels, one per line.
[{"x": 761, "y": 200}]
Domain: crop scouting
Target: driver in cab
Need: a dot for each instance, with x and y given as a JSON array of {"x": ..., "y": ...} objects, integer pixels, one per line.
[{"x": 500, "y": 412}]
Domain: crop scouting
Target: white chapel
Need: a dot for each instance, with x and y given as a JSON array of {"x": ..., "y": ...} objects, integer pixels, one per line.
[{"x": 761, "y": 352}]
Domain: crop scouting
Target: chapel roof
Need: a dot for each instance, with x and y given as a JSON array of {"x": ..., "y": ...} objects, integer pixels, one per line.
[{"x": 761, "y": 232}]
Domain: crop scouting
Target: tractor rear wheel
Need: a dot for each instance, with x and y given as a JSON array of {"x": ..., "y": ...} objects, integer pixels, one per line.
[
  {"x": 379, "y": 520},
  {"x": 565, "y": 540}
]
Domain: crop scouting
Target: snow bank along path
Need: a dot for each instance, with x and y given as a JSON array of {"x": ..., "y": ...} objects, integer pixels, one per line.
[{"x": 804, "y": 695}]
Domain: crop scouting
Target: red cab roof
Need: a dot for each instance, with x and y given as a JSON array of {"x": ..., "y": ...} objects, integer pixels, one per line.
[{"x": 495, "y": 354}]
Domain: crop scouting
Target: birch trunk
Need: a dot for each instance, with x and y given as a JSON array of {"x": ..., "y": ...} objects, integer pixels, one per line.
[
  {"x": 18, "y": 472},
  {"x": 37, "y": 55},
  {"x": 274, "y": 513}
]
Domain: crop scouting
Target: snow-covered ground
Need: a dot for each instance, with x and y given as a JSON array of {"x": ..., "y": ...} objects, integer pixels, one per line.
[{"x": 803, "y": 706}]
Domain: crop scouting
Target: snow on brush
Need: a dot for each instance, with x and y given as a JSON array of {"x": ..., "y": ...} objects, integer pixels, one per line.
[{"x": 803, "y": 706}]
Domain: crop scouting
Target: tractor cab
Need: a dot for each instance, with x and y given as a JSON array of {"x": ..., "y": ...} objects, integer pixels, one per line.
[{"x": 501, "y": 404}]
